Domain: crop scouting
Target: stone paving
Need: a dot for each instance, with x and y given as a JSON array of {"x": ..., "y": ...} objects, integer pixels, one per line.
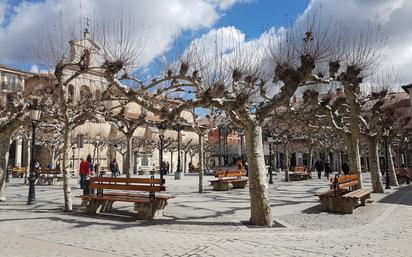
[{"x": 208, "y": 224}]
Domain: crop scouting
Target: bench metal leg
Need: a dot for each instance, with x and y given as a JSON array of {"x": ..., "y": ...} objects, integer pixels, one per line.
[
  {"x": 106, "y": 206},
  {"x": 94, "y": 206}
]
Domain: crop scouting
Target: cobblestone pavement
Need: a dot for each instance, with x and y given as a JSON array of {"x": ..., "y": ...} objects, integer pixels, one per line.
[{"x": 208, "y": 224}]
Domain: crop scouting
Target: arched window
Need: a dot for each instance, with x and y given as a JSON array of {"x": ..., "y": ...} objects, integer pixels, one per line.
[
  {"x": 145, "y": 161},
  {"x": 85, "y": 93},
  {"x": 98, "y": 94},
  {"x": 71, "y": 93}
]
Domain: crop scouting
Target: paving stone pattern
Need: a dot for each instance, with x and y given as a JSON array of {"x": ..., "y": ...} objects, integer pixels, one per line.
[{"x": 208, "y": 224}]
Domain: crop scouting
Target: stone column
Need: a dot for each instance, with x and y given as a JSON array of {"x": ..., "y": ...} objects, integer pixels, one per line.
[{"x": 19, "y": 151}]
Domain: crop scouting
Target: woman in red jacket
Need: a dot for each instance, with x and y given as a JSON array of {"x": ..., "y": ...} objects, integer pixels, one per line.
[{"x": 84, "y": 171}]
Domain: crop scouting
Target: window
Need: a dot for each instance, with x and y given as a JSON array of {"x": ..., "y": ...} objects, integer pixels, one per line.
[
  {"x": 85, "y": 93},
  {"x": 71, "y": 93}
]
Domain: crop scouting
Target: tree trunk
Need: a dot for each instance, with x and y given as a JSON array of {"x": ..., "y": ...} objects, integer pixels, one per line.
[
  {"x": 68, "y": 205},
  {"x": 392, "y": 174},
  {"x": 201, "y": 164},
  {"x": 4, "y": 156},
  {"x": 185, "y": 162},
  {"x": 128, "y": 160},
  {"x": 376, "y": 175},
  {"x": 354, "y": 157},
  {"x": 5, "y": 138},
  {"x": 171, "y": 161},
  {"x": 338, "y": 162},
  {"x": 258, "y": 188},
  {"x": 310, "y": 157}
]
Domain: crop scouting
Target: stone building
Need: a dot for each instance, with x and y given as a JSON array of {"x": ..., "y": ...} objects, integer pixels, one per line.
[
  {"x": 13, "y": 81},
  {"x": 97, "y": 139}
]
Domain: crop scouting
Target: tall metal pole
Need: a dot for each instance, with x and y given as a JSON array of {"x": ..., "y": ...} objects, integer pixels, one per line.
[
  {"x": 178, "y": 173},
  {"x": 270, "y": 164},
  {"x": 387, "y": 186},
  {"x": 161, "y": 157},
  {"x": 32, "y": 178}
]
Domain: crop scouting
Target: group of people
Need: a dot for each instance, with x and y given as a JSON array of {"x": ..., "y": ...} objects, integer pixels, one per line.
[
  {"x": 87, "y": 167},
  {"x": 321, "y": 166}
]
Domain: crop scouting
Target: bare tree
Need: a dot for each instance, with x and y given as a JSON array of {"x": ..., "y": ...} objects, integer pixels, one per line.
[{"x": 127, "y": 122}]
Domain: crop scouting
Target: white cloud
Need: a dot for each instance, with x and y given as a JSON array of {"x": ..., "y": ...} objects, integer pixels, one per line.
[
  {"x": 162, "y": 20},
  {"x": 3, "y": 7},
  {"x": 36, "y": 69},
  {"x": 393, "y": 17}
]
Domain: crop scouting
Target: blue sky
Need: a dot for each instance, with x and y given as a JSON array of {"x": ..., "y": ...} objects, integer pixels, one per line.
[
  {"x": 256, "y": 16},
  {"x": 167, "y": 19},
  {"x": 251, "y": 17}
]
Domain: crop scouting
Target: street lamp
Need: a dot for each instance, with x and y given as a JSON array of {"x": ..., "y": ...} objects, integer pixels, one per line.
[
  {"x": 162, "y": 129},
  {"x": 270, "y": 140},
  {"x": 178, "y": 174},
  {"x": 277, "y": 141},
  {"x": 35, "y": 113}
]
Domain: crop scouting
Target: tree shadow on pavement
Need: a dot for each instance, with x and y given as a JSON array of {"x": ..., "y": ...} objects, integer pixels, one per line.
[{"x": 395, "y": 197}]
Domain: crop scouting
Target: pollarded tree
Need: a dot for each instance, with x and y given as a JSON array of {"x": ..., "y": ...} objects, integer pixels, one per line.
[
  {"x": 13, "y": 113},
  {"x": 202, "y": 126},
  {"x": 240, "y": 84},
  {"x": 127, "y": 123}
]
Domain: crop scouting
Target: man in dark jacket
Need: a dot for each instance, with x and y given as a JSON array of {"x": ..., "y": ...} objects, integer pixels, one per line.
[
  {"x": 319, "y": 168},
  {"x": 345, "y": 168}
]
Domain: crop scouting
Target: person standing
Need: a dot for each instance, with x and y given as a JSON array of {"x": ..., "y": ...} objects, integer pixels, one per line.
[
  {"x": 84, "y": 171},
  {"x": 345, "y": 168},
  {"x": 328, "y": 170},
  {"x": 89, "y": 160},
  {"x": 114, "y": 168},
  {"x": 319, "y": 168}
]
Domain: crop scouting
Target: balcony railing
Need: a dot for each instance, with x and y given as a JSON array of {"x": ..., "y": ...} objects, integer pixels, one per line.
[{"x": 10, "y": 86}]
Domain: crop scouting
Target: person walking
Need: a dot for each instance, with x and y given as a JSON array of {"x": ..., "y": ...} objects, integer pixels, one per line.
[
  {"x": 90, "y": 161},
  {"x": 84, "y": 171},
  {"x": 345, "y": 168},
  {"x": 328, "y": 170},
  {"x": 167, "y": 168},
  {"x": 319, "y": 168},
  {"x": 114, "y": 168}
]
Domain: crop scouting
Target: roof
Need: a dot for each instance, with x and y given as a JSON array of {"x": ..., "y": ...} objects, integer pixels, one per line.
[
  {"x": 406, "y": 87},
  {"x": 13, "y": 70}
]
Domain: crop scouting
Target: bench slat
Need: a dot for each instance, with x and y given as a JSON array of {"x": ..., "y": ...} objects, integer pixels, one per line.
[
  {"x": 161, "y": 197},
  {"x": 116, "y": 198},
  {"x": 129, "y": 180},
  {"x": 128, "y": 187}
]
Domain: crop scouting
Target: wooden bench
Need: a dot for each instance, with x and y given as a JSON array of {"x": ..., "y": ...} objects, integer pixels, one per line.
[
  {"x": 110, "y": 190},
  {"x": 229, "y": 179},
  {"x": 343, "y": 196},
  {"x": 18, "y": 172},
  {"x": 48, "y": 176},
  {"x": 403, "y": 175},
  {"x": 299, "y": 173}
]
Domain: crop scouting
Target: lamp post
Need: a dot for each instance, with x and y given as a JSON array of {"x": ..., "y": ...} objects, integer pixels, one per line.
[
  {"x": 277, "y": 141},
  {"x": 34, "y": 117},
  {"x": 162, "y": 129},
  {"x": 178, "y": 174},
  {"x": 270, "y": 140},
  {"x": 387, "y": 186}
]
